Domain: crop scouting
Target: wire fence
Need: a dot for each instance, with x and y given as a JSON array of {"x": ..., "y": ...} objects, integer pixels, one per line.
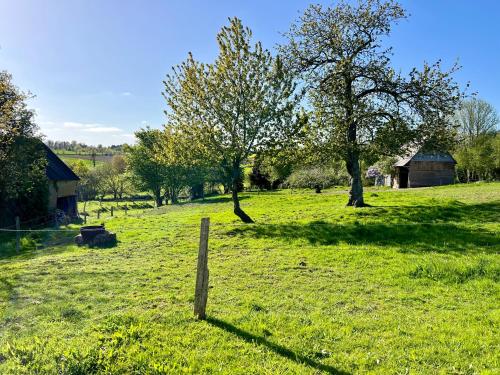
[{"x": 47, "y": 224}]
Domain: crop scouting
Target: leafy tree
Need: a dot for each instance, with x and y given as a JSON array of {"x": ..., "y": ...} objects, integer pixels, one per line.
[
  {"x": 23, "y": 182},
  {"x": 174, "y": 156},
  {"x": 119, "y": 164},
  {"x": 317, "y": 177},
  {"x": 475, "y": 152},
  {"x": 259, "y": 178},
  {"x": 475, "y": 118},
  {"x": 148, "y": 173},
  {"x": 361, "y": 105},
  {"x": 114, "y": 179},
  {"x": 271, "y": 169},
  {"x": 233, "y": 108},
  {"x": 479, "y": 158},
  {"x": 87, "y": 189}
]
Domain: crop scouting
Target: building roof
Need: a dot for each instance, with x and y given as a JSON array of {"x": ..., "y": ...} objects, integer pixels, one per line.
[
  {"x": 56, "y": 169},
  {"x": 417, "y": 154}
]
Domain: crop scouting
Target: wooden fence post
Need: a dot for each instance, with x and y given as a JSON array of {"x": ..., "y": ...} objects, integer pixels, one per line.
[
  {"x": 111, "y": 210},
  {"x": 201, "y": 291},
  {"x": 98, "y": 213},
  {"x": 18, "y": 235}
]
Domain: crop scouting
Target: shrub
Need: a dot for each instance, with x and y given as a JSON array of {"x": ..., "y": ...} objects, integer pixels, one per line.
[{"x": 317, "y": 178}]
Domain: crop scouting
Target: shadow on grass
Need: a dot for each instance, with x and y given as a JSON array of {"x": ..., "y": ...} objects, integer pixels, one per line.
[
  {"x": 415, "y": 229},
  {"x": 212, "y": 200},
  {"x": 278, "y": 349},
  {"x": 415, "y": 237},
  {"x": 8, "y": 288},
  {"x": 35, "y": 244},
  {"x": 451, "y": 212}
]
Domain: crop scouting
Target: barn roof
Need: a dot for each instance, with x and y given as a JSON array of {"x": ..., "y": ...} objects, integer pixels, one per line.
[
  {"x": 56, "y": 169},
  {"x": 418, "y": 155}
]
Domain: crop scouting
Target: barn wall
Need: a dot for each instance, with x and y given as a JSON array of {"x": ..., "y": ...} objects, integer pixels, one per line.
[
  {"x": 430, "y": 173},
  {"x": 58, "y": 189}
]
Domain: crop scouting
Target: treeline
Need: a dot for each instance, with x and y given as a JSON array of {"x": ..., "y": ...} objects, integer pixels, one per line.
[{"x": 82, "y": 148}]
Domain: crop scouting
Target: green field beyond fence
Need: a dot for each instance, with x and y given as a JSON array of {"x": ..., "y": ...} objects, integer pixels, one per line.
[{"x": 409, "y": 285}]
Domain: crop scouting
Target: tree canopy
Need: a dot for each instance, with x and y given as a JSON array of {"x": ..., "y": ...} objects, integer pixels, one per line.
[
  {"x": 238, "y": 105},
  {"x": 361, "y": 105},
  {"x": 23, "y": 183}
]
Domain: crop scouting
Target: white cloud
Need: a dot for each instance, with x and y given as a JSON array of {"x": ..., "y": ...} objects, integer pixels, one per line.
[
  {"x": 126, "y": 93},
  {"x": 90, "y": 133}
]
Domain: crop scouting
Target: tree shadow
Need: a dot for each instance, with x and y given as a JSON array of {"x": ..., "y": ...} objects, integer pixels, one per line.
[
  {"x": 278, "y": 349},
  {"x": 35, "y": 244},
  {"x": 8, "y": 288},
  {"x": 413, "y": 228},
  {"x": 212, "y": 200},
  {"x": 451, "y": 212}
]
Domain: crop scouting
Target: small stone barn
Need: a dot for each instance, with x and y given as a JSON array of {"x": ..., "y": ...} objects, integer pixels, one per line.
[
  {"x": 424, "y": 168},
  {"x": 62, "y": 185}
]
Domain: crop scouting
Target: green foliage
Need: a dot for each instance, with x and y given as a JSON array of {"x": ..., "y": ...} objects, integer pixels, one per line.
[
  {"x": 148, "y": 172},
  {"x": 82, "y": 150},
  {"x": 478, "y": 141},
  {"x": 235, "y": 107},
  {"x": 479, "y": 158},
  {"x": 23, "y": 183},
  {"x": 318, "y": 177}
]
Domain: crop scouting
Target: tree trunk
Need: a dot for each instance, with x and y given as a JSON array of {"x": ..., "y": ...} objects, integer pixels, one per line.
[
  {"x": 174, "y": 195},
  {"x": 237, "y": 209},
  {"x": 236, "y": 201},
  {"x": 197, "y": 191},
  {"x": 354, "y": 170},
  {"x": 158, "y": 198}
]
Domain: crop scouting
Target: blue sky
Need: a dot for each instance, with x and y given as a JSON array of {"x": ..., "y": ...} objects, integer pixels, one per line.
[{"x": 96, "y": 67}]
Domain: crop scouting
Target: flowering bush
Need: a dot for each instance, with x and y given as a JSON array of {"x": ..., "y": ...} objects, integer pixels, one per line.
[{"x": 372, "y": 172}]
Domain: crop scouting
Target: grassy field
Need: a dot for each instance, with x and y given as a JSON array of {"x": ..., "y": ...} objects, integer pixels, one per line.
[
  {"x": 409, "y": 285},
  {"x": 70, "y": 157}
]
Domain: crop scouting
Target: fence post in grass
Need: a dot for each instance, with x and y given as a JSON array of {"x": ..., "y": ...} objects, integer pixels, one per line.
[
  {"x": 111, "y": 210},
  {"x": 18, "y": 235},
  {"x": 201, "y": 291},
  {"x": 98, "y": 213}
]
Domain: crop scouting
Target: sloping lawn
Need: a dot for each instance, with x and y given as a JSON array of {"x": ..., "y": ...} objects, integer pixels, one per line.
[{"x": 409, "y": 285}]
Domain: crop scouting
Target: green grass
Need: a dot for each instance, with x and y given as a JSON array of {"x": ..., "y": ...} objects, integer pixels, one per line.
[
  {"x": 409, "y": 285},
  {"x": 71, "y": 159}
]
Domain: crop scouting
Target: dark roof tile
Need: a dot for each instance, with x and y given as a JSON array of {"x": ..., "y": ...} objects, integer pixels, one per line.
[{"x": 57, "y": 170}]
